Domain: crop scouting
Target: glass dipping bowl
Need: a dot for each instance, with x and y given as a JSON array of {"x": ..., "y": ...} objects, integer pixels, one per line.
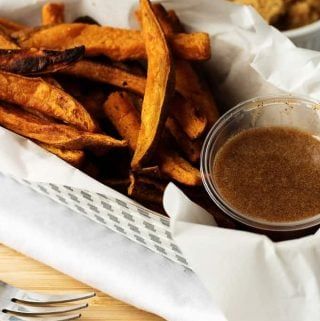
[{"x": 288, "y": 111}]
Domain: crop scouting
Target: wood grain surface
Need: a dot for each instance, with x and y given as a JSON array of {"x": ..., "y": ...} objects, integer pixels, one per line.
[{"x": 28, "y": 274}]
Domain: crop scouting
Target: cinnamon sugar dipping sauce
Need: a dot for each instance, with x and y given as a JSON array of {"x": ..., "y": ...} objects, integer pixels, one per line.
[
  {"x": 261, "y": 163},
  {"x": 270, "y": 173}
]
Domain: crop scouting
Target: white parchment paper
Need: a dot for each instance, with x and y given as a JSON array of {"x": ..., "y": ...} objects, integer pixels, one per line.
[{"x": 248, "y": 276}]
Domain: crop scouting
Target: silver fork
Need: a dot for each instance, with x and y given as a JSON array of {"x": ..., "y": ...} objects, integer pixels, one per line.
[{"x": 18, "y": 305}]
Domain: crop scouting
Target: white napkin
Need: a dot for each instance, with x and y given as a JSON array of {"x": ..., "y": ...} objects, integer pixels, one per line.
[{"x": 51, "y": 233}]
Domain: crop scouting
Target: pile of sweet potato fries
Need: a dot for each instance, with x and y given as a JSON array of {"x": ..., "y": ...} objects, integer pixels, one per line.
[{"x": 128, "y": 107}]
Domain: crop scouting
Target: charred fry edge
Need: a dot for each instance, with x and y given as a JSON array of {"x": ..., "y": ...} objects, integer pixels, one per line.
[{"x": 37, "y": 61}]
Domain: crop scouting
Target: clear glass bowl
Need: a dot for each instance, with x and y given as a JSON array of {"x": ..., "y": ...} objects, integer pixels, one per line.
[{"x": 289, "y": 111}]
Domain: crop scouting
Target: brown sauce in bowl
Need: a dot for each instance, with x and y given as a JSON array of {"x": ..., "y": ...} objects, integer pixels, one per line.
[{"x": 270, "y": 173}]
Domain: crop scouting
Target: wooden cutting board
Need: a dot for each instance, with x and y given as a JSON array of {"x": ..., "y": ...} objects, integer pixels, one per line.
[{"x": 28, "y": 274}]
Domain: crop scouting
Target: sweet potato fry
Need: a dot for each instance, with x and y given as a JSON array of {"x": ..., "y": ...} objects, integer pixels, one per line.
[
  {"x": 73, "y": 157},
  {"x": 117, "y": 108},
  {"x": 124, "y": 117},
  {"x": 177, "y": 168},
  {"x": 107, "y": 74},
  {"x": 37, "y": 61},
  {"x": 186, "y": 113},
  {"x": 145, "y": 189},
  {"x": 192, "y": 87},
  {"x": 34, "y": 93},
  {"x": 159, "y": 86},
  {"x": 58, "y": 135},
  {"x": 52, "y": 13},
  {"x": 11, "y": 26},
  {"x": 190, "y": 119},
  {"x": 6, "y": 42},
  {"x": 117, "y": 44},
  {"x": 190, "y": 148},
  {"x": 169, "y": 28},
  {"x": 188, "y": 82}
]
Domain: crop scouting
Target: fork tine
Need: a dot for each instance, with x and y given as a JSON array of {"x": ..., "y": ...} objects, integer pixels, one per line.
[
  {"x": 17, "y": 309},
  {"x": 8, "y": 317},
  {"x": 42, "y": 299}
]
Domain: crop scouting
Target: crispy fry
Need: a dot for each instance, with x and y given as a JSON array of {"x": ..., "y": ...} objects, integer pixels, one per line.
[
  {"x": 145, "y": 189},
  {"x": 6, "y": 42},
  {"x": 188, "y": 83},
  {"x": 186, "y": 113},
  {"x": 37, "y": 61},
  {"x": 190, "y": 148},
  {"x": 117, "y": 44},
  {"x": 107, "y": 74},
  {"x": 34, "y": 93},
  {"x": 196, "y": 47},
  {"x": 171, "y": 26},
  {"x": 192, "y": 87},
  {"x": 159, "y": 86},
  {"x": 10, "y": 25},
  {"x": 124, "y": 117},
  {"x": 189, "y": 118},
  {"x": 73, "y": 157},
  {"x": 61, "y": 136},
  {"x": 52, "y": 13},
  {"x": 176, "y": 167},
  {"x": 117, "y": 108}
]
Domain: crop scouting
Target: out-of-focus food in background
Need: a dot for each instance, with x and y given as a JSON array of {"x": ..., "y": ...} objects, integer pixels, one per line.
[{"x": 286, "y": 14}]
